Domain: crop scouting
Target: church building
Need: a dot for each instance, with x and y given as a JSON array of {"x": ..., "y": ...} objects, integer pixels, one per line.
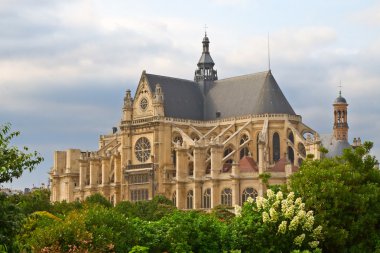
[{"x": 201, "y": 143}]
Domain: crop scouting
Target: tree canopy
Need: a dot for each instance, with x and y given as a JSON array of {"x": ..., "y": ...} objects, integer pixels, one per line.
[
  {"x": 344, "y": 193},
  {"x": 14, "y": 161}
]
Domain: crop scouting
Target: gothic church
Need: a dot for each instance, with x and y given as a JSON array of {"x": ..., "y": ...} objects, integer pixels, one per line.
[{"x": 201, "y": 143}]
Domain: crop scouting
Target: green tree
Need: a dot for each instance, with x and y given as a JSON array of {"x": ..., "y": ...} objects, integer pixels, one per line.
[
  {"x": 150, "y": 210},
  {"x": 14, "y": 161},
  {"x": 344, "y": 193},
  {"x": 97, "y": 199},
  {"x": 10, "y": 221}
]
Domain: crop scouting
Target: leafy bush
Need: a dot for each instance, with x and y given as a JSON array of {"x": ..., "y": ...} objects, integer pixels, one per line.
[{"x": 274, "y": 224}]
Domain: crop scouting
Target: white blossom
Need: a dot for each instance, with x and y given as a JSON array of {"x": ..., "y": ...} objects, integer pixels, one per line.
[
  {"x": 265, "y": 217},
  {"x": 299, "y": 239},
  {"x": 238, "y": 211},
  {"x": 279, "y": 196},
  {"x": 282, "y": 227},
  {"x": 313, "y": 244},
  {"x": 273, "y": 214},
  {"x": 250, "y": 200},
  {"x": 270, "y": 194},
  {"x": 294, "y": 223},
  {"x": 317, "y": 232}
]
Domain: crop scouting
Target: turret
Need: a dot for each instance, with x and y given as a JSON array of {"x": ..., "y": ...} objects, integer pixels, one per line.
[
  {"x": 340, "y": 118},
  {"x": 205, "y": 73},
  {"x": 128, "y": 106},
  {"x": 158, "y": 101}
]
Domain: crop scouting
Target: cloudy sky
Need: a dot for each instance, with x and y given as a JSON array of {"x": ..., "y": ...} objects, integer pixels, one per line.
[{"x": 65, "y": 65}]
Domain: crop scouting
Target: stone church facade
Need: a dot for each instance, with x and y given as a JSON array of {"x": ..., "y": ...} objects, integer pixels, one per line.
[{"x": 201, "y": 143}]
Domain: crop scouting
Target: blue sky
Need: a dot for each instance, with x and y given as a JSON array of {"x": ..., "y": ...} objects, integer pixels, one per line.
[{"x": 65, "y": 65}]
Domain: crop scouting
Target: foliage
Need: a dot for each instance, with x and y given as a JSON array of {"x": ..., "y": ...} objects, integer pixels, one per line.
[
  {"x": 14, "y": 161},
  {"x": 223, "y": 213},
  {"x": 97, "y": 199},
  {"x": 10, "y": 222},
  {"x": 139, "y": 249},
  {"x": 37, "y": 200},
  {"x": 97, "y": 229},
  {"x": 151, "y": 210},
  {"x": 182, "y": 231},
  {"x": 344, "y": 192},
  {"x": 275, "y": 224}
]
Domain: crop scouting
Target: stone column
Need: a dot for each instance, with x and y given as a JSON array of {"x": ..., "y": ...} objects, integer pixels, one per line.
[
  {"x": 216, "y": 160},
  {"x": 197, "y": 194},
  {"x": 82, "y": 173},
  {"x": 181, "y": 175},
  {"x": 235, "y": 185},
  {"x": 105, "y": 170},
  {"x": 94, "y": 164}
]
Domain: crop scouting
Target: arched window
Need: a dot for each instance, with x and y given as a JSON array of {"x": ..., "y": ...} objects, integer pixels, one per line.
[
  {"x": 208, "y": 168},
  {"x": 191, "y": 168},
  {"x": 257, "y": 146},
  {"x": 178, "y": 139},
  {"x": 248, "y": 192},
  {"x": 227, "y": 197},
  {"x": 300, "y": 161},
  {"x": 291, "y": 137},
  {"x": 276, "y": 147},
  {"x": 226, "y": 152},
  {"x": 189, "y": 200},
  {"x": 243, "y": 139},
  {"x": 174, "y": 157},
  {"x": 244, "y": 152},
  {"x": 174, "y": 198},
  {"x": 194, "y": 137},
  {"x": 207, "y": 198},
  {"x": 291, "y": 155},
  {"x": 301, "y": 149}
]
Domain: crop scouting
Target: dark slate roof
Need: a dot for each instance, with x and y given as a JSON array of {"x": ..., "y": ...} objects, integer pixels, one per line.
[
  {"x": 335, "y": 147},
  {"x": 205, "y": 59},
  {"x": 340, "y": 100},
  {"x": 243, "y": 95},
  {"x": 182, "y": 98}
]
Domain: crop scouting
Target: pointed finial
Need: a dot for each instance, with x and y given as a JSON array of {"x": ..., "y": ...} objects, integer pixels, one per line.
[
  {"x": 268, "y": 54},
  {"x": 340, "y": 88},
  {"x": 206, "y": 30}
]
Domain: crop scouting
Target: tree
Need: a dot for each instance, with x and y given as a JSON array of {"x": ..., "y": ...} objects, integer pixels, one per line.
[
  {"x": 344, "y": 193},
  {"x": 14, "y": 161}
]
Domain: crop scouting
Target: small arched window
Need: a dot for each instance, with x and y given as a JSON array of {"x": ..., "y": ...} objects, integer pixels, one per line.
[
  {"x": 257, "y": 146},
  {"x": 226, "y": 197},
  {"x": 191, "y": 168},
  {"x": 248, "y": 192},
  {"x": 291, "y": 136},
  {"x": 243, "y": 139},
  {"x": 189, "y": 200},
  {"x": 291, "y": 154},
  {"x": 206, "y": 203},
  {"x": 244, "y": 152},
  {"x": 208, "y": 168},
  {"x": 178, "y": 139},
  {"x": 301, "y": 149},
  {"x": 174, "y": 198},
  {"x": 276, "y": 147}
]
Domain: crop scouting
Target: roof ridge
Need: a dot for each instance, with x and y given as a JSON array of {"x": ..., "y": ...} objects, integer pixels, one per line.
[
  {"x": 246, "y": 75},
  {"x": 170, "y": 77}
]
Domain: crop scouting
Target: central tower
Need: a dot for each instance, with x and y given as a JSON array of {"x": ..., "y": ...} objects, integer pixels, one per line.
[{"x": 205, "y": 73}]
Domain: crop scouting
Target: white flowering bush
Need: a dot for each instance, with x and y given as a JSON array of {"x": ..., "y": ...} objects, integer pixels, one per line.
[{"x": 275, "y": 223}]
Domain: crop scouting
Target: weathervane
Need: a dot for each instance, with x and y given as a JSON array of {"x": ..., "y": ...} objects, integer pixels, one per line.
[
  {"x": 340, "y": 88},
  {"x": 206, "y": 30}
]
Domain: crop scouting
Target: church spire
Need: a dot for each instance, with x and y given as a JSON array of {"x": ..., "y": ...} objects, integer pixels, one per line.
[{"x": 205, "y": 70}]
